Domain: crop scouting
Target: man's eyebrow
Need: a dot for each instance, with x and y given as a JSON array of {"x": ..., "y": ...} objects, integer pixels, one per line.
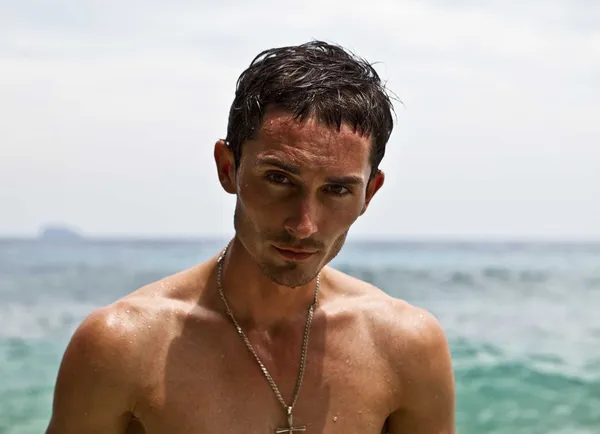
[
  {"x": 345, "y": 180},
  {"x": 295, "y": 170},
  {"x": 274, "y": 161}
]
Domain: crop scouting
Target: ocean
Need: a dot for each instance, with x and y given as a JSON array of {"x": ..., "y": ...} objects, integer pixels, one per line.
[{"x": 523, "y": 320}]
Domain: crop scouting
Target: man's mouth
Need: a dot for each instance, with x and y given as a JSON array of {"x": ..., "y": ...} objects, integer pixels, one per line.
[{"x": 294, "y": 254}]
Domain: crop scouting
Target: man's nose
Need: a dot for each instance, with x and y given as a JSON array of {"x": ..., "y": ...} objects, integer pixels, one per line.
[{"x": 303, "y": 223}]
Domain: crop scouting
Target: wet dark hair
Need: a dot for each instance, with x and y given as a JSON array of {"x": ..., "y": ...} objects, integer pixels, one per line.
[{"x": 313, "y": 79}]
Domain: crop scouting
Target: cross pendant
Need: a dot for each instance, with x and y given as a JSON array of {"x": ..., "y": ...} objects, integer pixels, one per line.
[{"x": 291, "y": 429}]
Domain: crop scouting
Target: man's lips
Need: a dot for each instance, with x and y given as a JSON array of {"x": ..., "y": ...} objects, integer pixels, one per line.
[{"x": 294, "y": 254}]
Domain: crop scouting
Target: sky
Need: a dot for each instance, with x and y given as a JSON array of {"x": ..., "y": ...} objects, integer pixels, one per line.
[{"x": 109, "y": 112}]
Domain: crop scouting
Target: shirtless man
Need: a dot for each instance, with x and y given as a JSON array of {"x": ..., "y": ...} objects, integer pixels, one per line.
[{"x": 307, "y": 130}]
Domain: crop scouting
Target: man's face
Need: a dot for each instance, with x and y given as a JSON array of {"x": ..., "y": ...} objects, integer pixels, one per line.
[{"x": 299, "y": 186}]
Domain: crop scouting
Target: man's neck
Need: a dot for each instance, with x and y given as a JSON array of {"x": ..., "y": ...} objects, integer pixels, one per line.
[{"x": 254, "y": 298}]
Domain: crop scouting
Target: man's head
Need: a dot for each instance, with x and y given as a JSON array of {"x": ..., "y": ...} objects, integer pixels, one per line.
[{"x": 307, "y": 130}]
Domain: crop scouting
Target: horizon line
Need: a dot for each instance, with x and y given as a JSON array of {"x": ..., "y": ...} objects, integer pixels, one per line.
[{"x": 382, "y": 239}]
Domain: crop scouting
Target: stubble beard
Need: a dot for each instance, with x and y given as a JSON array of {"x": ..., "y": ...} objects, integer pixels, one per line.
[{"x": 292, "y": 274}]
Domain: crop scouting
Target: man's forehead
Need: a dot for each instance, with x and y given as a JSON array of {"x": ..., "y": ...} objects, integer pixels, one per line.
[
  {"x": 279, "y": 123},
  {"x": 281, "y": 132}
]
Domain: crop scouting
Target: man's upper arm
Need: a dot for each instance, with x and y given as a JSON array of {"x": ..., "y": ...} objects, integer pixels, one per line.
[
  {"x": 427, "y": 381},
  {"x": 93, "y": 392}
]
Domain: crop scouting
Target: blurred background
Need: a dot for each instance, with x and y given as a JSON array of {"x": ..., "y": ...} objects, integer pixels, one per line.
[{"x": 489, "y": 218}]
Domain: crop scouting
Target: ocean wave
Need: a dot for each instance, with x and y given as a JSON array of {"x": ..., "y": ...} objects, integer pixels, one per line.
[
  {"x": 470, "y": 277},
  {"x": 480, "y": 360},
  {"x": 533, "y": 393}
]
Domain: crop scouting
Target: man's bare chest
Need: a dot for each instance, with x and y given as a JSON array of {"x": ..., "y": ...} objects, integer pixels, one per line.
[{"x": 345, "y": 389}]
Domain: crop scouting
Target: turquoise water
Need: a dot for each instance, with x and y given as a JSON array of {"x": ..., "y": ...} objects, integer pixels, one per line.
[{"x": 523, "y": 320}]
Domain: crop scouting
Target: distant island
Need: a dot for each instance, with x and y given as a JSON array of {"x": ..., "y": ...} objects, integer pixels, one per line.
[{"x": 59, "y": 233}]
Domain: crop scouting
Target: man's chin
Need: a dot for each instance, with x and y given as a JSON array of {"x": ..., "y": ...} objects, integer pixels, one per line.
[{"x": 291, "y": 274}]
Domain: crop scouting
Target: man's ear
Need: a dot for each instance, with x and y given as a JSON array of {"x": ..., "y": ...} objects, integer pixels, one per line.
[
  {"x": 373, "y": 187},
  {"x": 225, "y": 163}
]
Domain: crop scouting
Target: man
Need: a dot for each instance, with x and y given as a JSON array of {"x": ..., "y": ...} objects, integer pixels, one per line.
[{"x": 265, "y": 337}]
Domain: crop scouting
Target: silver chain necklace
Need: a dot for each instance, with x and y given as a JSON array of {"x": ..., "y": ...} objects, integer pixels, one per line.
[{"x": 288, "y": 408}]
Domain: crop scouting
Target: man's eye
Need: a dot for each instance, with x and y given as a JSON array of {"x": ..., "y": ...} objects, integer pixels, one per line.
[
  {"x": 277, "y": 178},
  {"x": 338, "y": 190}
]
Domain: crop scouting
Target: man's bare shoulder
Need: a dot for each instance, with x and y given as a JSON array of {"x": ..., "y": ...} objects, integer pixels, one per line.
[
  {"x": 415, "y": 347},
  {"x": 399, "y": 326},
  {"x": 115, "y": 354},
  {"x": 143, "y": 319}
]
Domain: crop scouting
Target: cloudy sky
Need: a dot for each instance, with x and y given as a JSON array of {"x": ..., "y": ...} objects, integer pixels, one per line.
[{"x": 109, "y": 112}]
